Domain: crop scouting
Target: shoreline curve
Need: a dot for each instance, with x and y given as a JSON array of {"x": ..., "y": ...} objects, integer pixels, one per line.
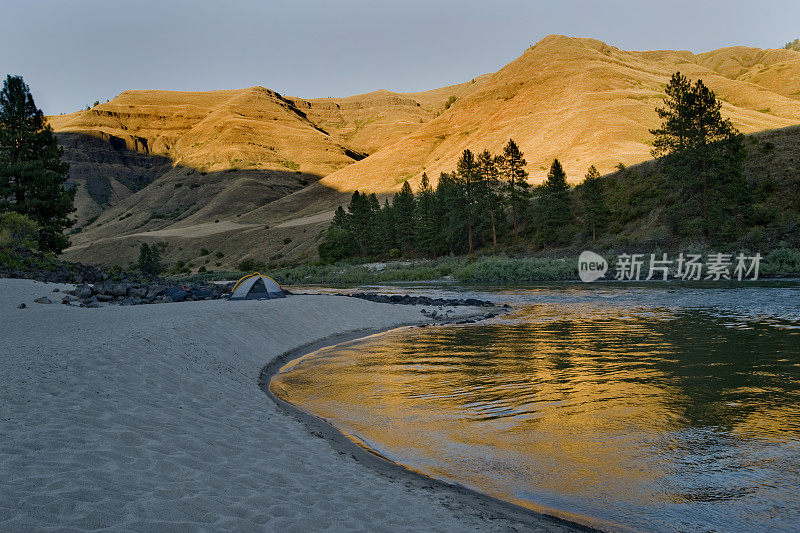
[{"x": 471, "y": 500}]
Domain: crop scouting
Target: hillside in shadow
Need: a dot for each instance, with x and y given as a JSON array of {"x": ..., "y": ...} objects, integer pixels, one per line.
[{"x": 125, "y": 197}]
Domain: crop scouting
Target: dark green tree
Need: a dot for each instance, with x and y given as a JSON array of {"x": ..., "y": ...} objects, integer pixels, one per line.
[
  {"x": 427, "y": 219},
  {"x": 512, "y": 169},
  {"x": 374, "y": 233},
  {"x": 703, "y": 156},
  {"x": 491, "y": 198},
  {"x": 451, "y": 202},
  {"x": 32, "y": 176},
  {"x": 149, "y": 260},
  {"x": 554, "y": 206},
  {"x": 468, "y": 176},
  {"x": 361, "y": 222},
  {"x": 385, "y": 230},
  {"x": 592, "y": 195},
  {"x": 338, "y": 243},
  {"x": 403, "y": 205}
]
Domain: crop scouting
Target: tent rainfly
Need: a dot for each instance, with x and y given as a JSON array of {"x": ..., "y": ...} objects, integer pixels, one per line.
[{"x": 256, "y": 286}]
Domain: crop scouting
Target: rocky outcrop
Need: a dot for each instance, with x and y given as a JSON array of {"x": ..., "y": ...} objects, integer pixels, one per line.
[{"x": 126, "y": 293}]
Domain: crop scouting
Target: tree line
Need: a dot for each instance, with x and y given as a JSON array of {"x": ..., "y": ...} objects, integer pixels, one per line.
[{"x": 487, "y": 204}]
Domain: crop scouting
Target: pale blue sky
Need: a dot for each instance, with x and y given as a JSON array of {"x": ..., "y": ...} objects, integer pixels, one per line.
[{"x": 74, "y": 52}]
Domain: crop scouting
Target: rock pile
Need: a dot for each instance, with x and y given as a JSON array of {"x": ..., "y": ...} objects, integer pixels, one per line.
[
  {"x": 419, "y": 300},
  {"x": 124, "y": 293}
]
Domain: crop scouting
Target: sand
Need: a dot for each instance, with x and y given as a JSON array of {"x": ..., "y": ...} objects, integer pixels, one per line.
[{"x": 151, "y": 417}]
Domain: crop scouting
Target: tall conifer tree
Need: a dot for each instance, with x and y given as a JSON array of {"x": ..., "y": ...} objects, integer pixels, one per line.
[
  {"x": 427, "y": 219},
  {"x": 32, "y": 176},
  {"x": 595, "y": 211},
  {"x": 554, "y": 205},
  {"x": 513, "y": 171},
  {"x": 704, "y": 157},
  {"x": 403, "y": 205},
  {"x": 469, "y": 179}
]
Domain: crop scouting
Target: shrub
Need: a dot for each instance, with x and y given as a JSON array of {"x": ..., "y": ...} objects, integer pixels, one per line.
[
  {"x": 149, "y": 260},
  {"x": 783, "y": 261},
  {"x": 18, "y": 230},
  {"x": 287, "y": 240},
  {"x": 204, "y": 251},
  {"x": 251, "y": 265}
]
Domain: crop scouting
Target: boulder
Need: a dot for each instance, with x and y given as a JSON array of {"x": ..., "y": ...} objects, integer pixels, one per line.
[
  {"x": 21, "y": 306},
  {"x": 121, "y": 289},
  {"x": 43, "y": 300},
  {"x": 137, "y": 292},
  {"x": 83, "y": 291}
]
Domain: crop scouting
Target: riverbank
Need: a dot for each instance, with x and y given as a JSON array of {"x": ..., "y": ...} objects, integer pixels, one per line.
[
  {"x": 143, "y": 417},
  {"x": 781, "y": 262}
]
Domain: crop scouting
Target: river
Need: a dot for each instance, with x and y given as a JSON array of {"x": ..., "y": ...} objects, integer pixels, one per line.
[{"x": 655, "y": 407}]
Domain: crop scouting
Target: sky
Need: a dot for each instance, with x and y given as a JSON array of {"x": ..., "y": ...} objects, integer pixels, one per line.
[{"x": 72, "y": 53}]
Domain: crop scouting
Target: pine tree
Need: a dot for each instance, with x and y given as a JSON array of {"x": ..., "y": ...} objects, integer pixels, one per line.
[
  {"x": 451, "y": 203},
  {"x": 338, "y": 243},
  {"x": 469, "y": 179},
  {"x": 595, "y": 211},
  {"x": 32, "y": 176},
  {"x": 374, "y": 233},
  {"x": 149, "y": 260},
  {"x": 361, "y": 222},
  {"x": 512, "y": 168},
  {"x": 703, "y": 155},
  {"x": 427, "y": 219},
  {"x": 386, "y": 230},
  {"x": 403, "y": 205},
  {"x": 554, "y": 206},
  {"x": 491, "y": 204}
]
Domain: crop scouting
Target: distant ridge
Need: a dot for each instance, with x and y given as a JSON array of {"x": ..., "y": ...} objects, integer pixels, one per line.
[{"x": 274, "y": 167}]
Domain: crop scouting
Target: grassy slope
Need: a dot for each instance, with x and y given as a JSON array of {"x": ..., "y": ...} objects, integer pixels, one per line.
[{"x": 579, "y": 99}]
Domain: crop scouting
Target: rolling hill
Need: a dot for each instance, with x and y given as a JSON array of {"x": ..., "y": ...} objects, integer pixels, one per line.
[{"x": 252, "y": 173}]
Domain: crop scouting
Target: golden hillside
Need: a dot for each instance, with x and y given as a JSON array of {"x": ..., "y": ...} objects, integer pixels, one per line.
[
  {"x": 255, "y": 130},
  {"x": 584, "y": 102},
  {"x": 251, "y": 173}
]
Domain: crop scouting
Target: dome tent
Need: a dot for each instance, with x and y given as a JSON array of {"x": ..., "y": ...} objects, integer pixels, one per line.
[{"x": 256, "y": 286}]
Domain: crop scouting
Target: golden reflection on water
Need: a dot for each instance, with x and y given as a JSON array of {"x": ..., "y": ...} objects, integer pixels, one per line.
[{"x": 646, "y": 418}]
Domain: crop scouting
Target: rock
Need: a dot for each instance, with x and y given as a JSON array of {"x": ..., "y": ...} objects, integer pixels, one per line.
[
  {"x": 56, "y": 290},
  {"x": 121, "y": 289},
  {"x": 68, "y": 299},
  {"x": 177, "y": 294},
  {"x": 152, "y": 292},
  {"x": 83, "y": 291},
  {"x": 43, "y": 300},
  {"x": 104, "y": 298},
  {"x": 92, "y": 305},
  {"x": 21, "y": 306},
  {"x": 138, "y": 292}
]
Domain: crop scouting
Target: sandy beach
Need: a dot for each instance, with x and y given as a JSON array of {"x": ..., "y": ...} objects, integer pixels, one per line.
[{"x": 151, "y": 417}]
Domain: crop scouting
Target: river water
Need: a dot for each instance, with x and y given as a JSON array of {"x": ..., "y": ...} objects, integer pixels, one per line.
[{"x": 653, "y": 407}]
